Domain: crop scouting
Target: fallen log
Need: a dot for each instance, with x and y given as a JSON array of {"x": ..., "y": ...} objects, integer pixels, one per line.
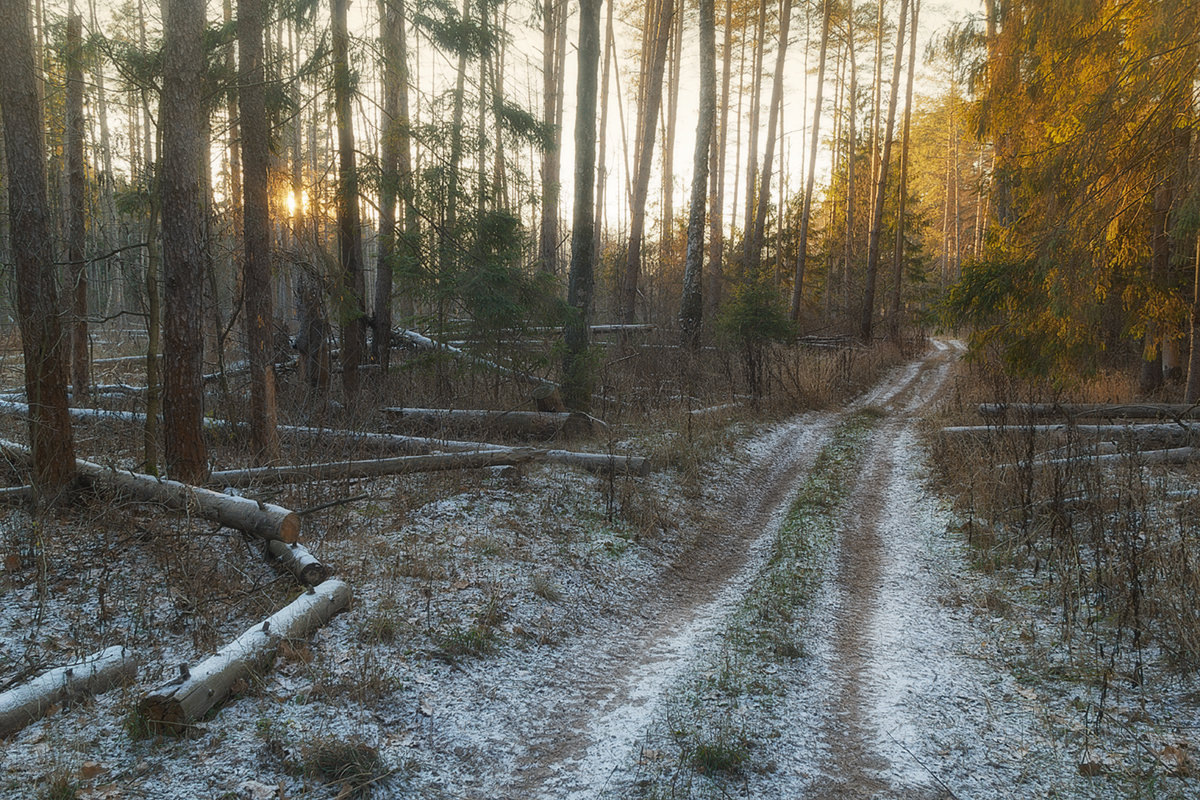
[
  {"x": 1141, "y": 432},
  {"x": 1172, "y": 455},
  {"x": 1092, "y": 411},
  {"x": 298, "y": 560},
  {"x": 17, "y": 494},
  {"x": 425, "y": 343},
  {"x": 527, "y": 423},
  {"x": 265, "y": 520},
  {"x": 97, "y": 673},
  {"x": 264, "y": 476},
  {"x": 175, "y": 705},
  {"x": 599, "y": 462}
]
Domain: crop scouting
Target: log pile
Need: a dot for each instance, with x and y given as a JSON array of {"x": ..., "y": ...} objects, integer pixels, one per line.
[{"x": 180, "y": 702}]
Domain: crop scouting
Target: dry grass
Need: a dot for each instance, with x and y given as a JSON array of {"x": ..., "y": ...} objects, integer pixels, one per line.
[{"x": 1119, "y": 554}]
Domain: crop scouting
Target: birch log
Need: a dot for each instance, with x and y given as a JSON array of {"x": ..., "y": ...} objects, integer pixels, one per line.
[
  {"x": 175, "y": 705},
  {"x": 1173, "y": 455},
  {"x": 97, "y": 673}
]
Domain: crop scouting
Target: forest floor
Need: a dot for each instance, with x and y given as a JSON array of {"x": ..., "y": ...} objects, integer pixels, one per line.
[{"x": 782, "y": 609}]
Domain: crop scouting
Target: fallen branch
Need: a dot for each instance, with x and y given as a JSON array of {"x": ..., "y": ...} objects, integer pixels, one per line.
[
  {"x": 180, "y": 702},
  {"x": 264, "y": 520},
  {"x": 97, "y": 673}
]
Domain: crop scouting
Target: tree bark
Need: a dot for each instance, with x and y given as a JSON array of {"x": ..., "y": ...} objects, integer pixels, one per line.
[
  {"x": 259, "y": 318},
  {"x": 172, "y": 708},
  {"x": 577, "y": 372},
  {"x": 296, "y": 559},
  {"x": 867, "y": 320},
  {"x": 692, "y": 303},
  {"x": 33, "y": 255},
  {"x": 554, "y": 14}
]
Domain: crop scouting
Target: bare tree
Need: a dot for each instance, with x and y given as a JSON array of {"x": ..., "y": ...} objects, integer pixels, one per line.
[{"x": 33, "y": 255}]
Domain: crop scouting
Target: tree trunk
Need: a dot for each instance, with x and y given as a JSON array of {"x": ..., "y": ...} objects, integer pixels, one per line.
[
  {"x": 868, "y": 309},
  {"x": 719, "y": 149},
  {"x": 351, "y": 313},
  {"x": 672, "y": 117},
  {"x": 756, "y": 77},
  {"x": 851, "y": 157},
  {"x": 391, "y": 25},
  {"x": 898, "y": 254},
  {"x": 33, "y": 255},
  {"x": 660, "y": 28},
  {"x": 172, "y": 708},
  {"x": 76, "y": 187},
  {"x": 260, "y": 315},
  {"x": 757, "y": 225},
  {"x": 692, "y": 304},
  {"x": 553, "y": 73},
  {"x": 806, "y": 212},
  {"x": 577, "y": 372}
]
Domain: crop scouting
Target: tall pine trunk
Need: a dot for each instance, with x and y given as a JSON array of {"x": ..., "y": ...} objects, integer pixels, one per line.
[
  {"x": 757, "y": 232},
  {"x": 576, "y": 373},
  {"x": 867, "y": 321},
  {"x": 33, "y": 255},
  {"x": 76, "y": 187},
  {"x": 806, "y": 211},
  {"x": 894, "y": 328},
  {"x": 351, "y": 313},
  {"x": 692, "y": 304},
  {"x": 264, "y": 437},
  {"x": 660, "y": 28}
]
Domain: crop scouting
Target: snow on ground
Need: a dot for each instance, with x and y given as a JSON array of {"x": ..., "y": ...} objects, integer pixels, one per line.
[{"x": 517, "y": 635}]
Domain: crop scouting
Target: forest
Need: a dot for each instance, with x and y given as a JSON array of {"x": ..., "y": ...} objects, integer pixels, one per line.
[{"x": 552, "y": 398}]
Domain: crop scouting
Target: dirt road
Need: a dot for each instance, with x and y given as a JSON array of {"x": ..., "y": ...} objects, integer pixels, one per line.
[{"x": 570, "y": 724}]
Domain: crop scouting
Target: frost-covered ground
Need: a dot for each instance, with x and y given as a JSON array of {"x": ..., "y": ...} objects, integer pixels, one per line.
[{"x": 522, "y": 635}]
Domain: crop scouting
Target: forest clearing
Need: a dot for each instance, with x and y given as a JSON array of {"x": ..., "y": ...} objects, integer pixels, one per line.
[{"x": 555, "y": 399}]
